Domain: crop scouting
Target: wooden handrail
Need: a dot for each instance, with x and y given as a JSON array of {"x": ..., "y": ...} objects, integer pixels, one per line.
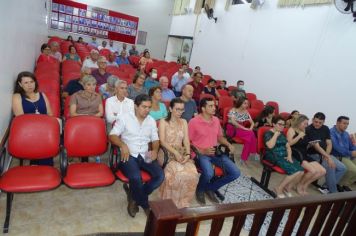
[{"x": 165, "y": 216}]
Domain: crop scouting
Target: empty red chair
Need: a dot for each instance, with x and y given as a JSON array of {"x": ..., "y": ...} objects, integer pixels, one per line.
[
  {"x": 223, "y": 92},
  {"x": 257, "y": 104},
  {"x": 275, "y": 105},
  {"x": 105, "y": 52},
  {"x": 251, "y": 96},
  {"x": 70, "y": 66},
  {"x": 285, "y": 115},
  {"x": 32, "y": 137},
  {"x": 224, "y": 101},
  {"x": 48, "y": 76},
  {"x": 254, "y": 113},
  {"x": 55, "y": 104},
  {"x": 85, "y": 136}
]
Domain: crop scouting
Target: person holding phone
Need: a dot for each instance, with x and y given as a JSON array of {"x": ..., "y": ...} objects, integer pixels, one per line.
[{"x": 279, "y": 153}]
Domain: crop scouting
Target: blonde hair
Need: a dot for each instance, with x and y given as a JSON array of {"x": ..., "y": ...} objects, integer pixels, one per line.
[
  {"x": 301, "y": 118},
  {"x": 88, "y": 79}
]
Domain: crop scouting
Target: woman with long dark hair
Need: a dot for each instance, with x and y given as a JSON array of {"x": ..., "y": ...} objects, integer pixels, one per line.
[{"x": 181, "y": 176}]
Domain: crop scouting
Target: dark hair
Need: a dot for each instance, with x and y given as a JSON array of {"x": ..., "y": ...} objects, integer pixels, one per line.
[
  {"x": 45, "y": 45},
  {"x": 137, "y": 75},
  {"x": 142, "y": 98},
  {"x": 184, "y": 64},
  {"x": 211, "y": 80},
  {"x": 196, "y": 73},
  {"x": 153, "y": 90},
  {"x": 69, "y": 38},
  {"x": 239, "y": 101},
  {"x": 239, "y": 81},
  {"x": 340, "y": 118},
  {"x": 275, "y": 119},
  {"x": 80, "y": 38},
  {"x": 224, "y": 81},
  {"x": 319, "y": 115},
  {"x": 204, "y": 101},
  {"x": 145, "y": 52},
  {"x": 265, "y": 112},
  {"x": 18, "y": 88},
  {"x": 70, "y": 47},
  {"x": 171, "y": 105},
  {"x": 197, "y": 67}
]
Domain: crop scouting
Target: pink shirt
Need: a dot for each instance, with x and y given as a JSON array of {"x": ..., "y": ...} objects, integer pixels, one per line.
[{"x": 204, "y": 134}]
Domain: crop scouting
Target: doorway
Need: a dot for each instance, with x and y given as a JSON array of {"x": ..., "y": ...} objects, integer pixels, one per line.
[{"x": 179, "y": 48}]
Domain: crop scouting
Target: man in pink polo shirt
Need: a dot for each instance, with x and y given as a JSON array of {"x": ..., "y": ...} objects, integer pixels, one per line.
[{"x": 205, "y": 134}]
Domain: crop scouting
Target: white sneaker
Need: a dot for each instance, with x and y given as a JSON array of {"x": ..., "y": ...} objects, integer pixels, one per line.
[{"x": 323, "y": 190}]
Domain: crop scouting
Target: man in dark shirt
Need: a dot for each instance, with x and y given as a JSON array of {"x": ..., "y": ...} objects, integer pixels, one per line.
[
  {"x": 320, "y": 147},
  {"x": 240, "y": 90},
  {"x": 100, "y": 74},
  {"x": 75, "y": 85},
  {"x": 190, "y": 107},
  {"x": 197, "y": 85}
]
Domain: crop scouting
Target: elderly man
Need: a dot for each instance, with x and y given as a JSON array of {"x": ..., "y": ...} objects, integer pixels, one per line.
[
  {"x": 75, "y": 85},
  {"x": 179, "y": 79},
  {"x": 344, "y": 150},
  {"x": 120, "y": 104},
  {"x": 190, "y": 107},
  {"x": 133, "y": 51},
  {"x": 100, "y": 74},
  {"x": 54, "y": 46},
  {"x": 122, "y": 59},
  {"x": 92, "y": 60},
  {"x": 167, "y": 94}
]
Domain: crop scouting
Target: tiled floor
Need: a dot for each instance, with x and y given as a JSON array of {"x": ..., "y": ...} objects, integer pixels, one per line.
[{"x": 65, "y": 211}]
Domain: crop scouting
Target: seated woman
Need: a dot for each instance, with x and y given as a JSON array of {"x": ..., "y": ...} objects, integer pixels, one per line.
[
  {"x": 210, "y": 88},
  {"x": 146, "y": 58},
  {"x": 265, "y": 118},
  {"x": 298, "y": 142},
  {"x": 136, "y": 87},
  {"x": 72, "y": 55},
  {"x": 236, "y": 127},
  {"x": 87, "y": 101},
  {"x": 293, "y": 116},
  {"x": 46, "y": 55},
  {"x": 181, "y": 176},
  {"x": 279, "y": 153},
  {"x": 27, "y": 100},
  {"x": 158, "y": 109},
  {"x": 108, "y": 89}
]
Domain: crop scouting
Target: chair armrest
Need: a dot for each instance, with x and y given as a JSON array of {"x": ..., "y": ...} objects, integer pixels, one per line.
[
  {"x": 2, "y": 159},
  {"x": 165, "y": 157},
  {"x": 114, "y": 157},
  {"x": 297, "y": 154},
  {"x": 63, "y": 160}
]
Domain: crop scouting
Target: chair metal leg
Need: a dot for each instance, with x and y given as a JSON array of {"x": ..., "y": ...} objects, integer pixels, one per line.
[{"x": 9, "y": 198}]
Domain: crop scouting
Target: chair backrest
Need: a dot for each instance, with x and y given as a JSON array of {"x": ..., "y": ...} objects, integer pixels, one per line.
[
  {"x": 251, "y": 96},
  {"x": 206, "y": 95},
  {"x": 225, "y": 117},
  {"x": 275, "y": 105},
  {"x": 85, "y": 136},
  {"x": 260, "y": 140},
  {"x": 285, "y": 115},
  {"x": 223, "y": 92},
  {"x": 34, "y": 136},
  {"x": 257, "y": 104},
  {"x": 254, "y": 113},
  {"x": 231, "y": 88}
]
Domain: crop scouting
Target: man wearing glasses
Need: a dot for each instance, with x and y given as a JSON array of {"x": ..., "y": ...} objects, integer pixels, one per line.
[{"x": 100, "y": 74}]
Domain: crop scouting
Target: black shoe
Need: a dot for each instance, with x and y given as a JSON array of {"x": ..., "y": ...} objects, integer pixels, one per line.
[
  {"x": 347, "y": 188},
  {"x": 219, "y": 195},
  {"x": 211, "y": 196},
  {"x": 200, "y": 197},
  {"x": 340, "y": 188},
  {"x": 132, "y": 207},
  {"x": 147, "y": 211}
]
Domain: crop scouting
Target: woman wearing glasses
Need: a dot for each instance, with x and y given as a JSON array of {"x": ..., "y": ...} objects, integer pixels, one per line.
[
  {"x": 279, "y": 153},
  {"x": 181, "y": 176}
]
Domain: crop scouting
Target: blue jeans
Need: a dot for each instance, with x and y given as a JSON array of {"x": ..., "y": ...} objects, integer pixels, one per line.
[
  {"x": 140, "y": 191},
  {"x": 231, "y": 172},
  {"x": 333, "y": 176}
]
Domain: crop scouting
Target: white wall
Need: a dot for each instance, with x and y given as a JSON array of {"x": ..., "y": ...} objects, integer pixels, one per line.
[
  {"x": 301, "y": 57},
  {"x": 23, "y": 29},
  {"x": 155, "y": 18}
]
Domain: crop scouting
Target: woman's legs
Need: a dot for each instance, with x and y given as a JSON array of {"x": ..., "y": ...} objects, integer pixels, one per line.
[
  {"x": 287, "y": 182},
  {"x": 250, "y": 142},
  {"x": 307, "y": 178}
]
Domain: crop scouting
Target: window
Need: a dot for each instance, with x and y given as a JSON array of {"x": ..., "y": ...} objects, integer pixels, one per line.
[{"x": 234, "y": 2}]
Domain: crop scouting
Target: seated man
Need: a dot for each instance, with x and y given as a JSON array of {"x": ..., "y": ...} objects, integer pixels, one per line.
[
  {"x": 167, "y": 94},
  {"x": 151, "y": 80},
  {"x": 178, "y": 80},
  {"x": 122, "y": 59},
  {"x": 92, "y": 61},
  {"x": 197, "y": 85},
  {"x": 190, "y": 107},
  {"x": 100, "y": 74},
  {"x": 75, "y": 85},
  {"x": 344, "y": 150},
  {"x": 133, "y": 51},
  {"x": 103, "y": 45},
  {"x": 239, "y": 91},
  {"x": 320, "y": 148},
  {"x": 205, "y": 133},
  {"x": 118, "y": 105},
  {"x": 131, "y": 133}
]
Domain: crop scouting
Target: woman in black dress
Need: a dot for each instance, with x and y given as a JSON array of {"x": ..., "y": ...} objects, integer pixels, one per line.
[{"x": 299, "y": 144}]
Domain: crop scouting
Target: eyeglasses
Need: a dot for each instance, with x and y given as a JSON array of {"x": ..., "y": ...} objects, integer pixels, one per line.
[
  {"x": 281, "y": 124},
  {"x": 179, "y": 109}
]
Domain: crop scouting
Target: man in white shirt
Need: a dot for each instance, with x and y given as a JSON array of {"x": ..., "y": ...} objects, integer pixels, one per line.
[
  {"x": 103, "y": 45},
  {"x": 92, "y": 61},
  {"x": 117, "y": 105},
  {"x": 111, "y": 46},
  {"x": 132, "y": 133}
]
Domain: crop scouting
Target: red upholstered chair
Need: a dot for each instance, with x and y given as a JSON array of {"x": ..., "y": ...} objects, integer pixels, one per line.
[
  {"x": 223, "y": 92},
  {"x": 257, "y": 104},
  {"x": 49, "y": 87},
  {"x": 231, "y": 88},
  {"x": 105, "y": 52},
  {"x": 85, "y": 136},
  {"x": 32, "y": 137},
  {"x": 55, "y": 104},
  {"x": 275, "y": 105},
  {"x": 70, "y": 66},
  {"x": 66, "y": 108},
  {"x": 225, "y": 101},
  {"x": 268, "y": 167},
  {"x": 254, "y": 113},
  {"x": 285, "y": 115},
  {"x": 251, "y": 96}
]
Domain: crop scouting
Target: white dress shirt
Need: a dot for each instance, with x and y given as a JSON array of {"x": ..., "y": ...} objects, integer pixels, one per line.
[
  {"x": 114, "y": 108},
  {"x": 135, "y": 135},
  {"x": 90, "y": 63}
]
